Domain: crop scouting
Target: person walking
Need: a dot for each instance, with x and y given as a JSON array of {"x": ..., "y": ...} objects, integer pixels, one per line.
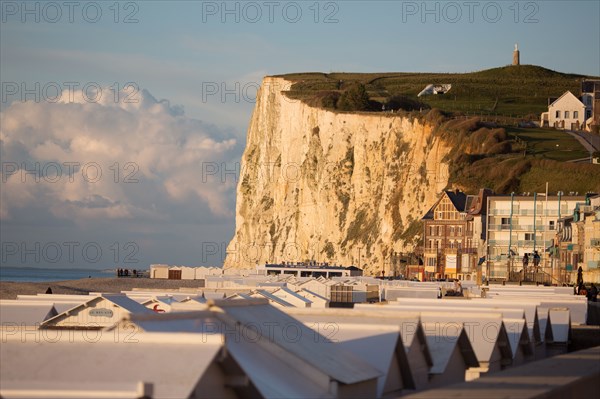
[
  {"x": 525, "y": 263},
  {"x": 536, "y": 260}
]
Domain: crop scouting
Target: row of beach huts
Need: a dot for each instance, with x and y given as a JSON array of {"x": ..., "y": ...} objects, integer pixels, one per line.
[{"x": 215, "y": 343}]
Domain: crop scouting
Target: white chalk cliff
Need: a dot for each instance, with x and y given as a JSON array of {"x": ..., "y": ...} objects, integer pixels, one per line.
[{"x": 335, "y": 187}]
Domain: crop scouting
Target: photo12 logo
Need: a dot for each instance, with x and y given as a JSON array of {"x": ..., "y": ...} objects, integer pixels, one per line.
[
  {"x": 237, "y": 92},
  {"x": 69, "y": 252},
  {"x": 70, "y": 92},
  {"x": 453, "y": 12},
  {"x": 53, "y": 12},
  {"x": 291, "y": 172},
  {"x": 252, "y": 12},
  {"x": 54, "y": 172}
]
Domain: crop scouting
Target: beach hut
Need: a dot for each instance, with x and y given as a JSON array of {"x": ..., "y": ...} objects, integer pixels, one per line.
[
  {"x": 317, "y": 300},
  {"x": 291, "y": 297},
  {"x": 451, "y": 353},
  {"x": 487, "y": 335},
  {"x": 96, "y": 313},
  {"x": 15, "y": 314},
  {"x": 522, "y": 348},
  {"x": 275, "y": 353},
  {"x": 272, "y": 299},
  {"x": 188, "y": 273},
  {"x": 159, "y": 271},
  {"x": 393, "y": 343},
  {"x": 573, "y": 375},
  {"x": 116, "y": 366},
  {"x": 486, "y": 332}
]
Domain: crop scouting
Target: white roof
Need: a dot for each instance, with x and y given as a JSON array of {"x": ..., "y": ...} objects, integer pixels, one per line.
[
  {"x": 304, "y": 291},
  {"x": 56, "y": 297},
  {"x": 560, "y": 323},
  {"x": 516, "y": 330},
  {"x": 120, "y": 300},
  {"x": 508, "y": 309},
  {"x": 239, "y": 295},
  {"x": 15, "y": 313},
  {"x": 287, "y": 291},
  {"x": 314, "y": 349},
  {"x": 213, "y": 295},
  {"x": 565, "y": 94},
  {"x": 544, "y": 321},
  {"x": 110, "y": 368},
  {"x": 126, "y": 303},
  {"x": 485, "y": 332},
  {"x": 376, "y": 344},
  {"x": 442, "y": 342},
  {"x": 259, "y": 325},
  {"x": 273, "y": 377},
  {"x": 268, "y": 295}
]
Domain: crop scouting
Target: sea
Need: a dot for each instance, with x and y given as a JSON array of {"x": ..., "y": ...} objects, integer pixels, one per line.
[{"x": 36, "y": 275}]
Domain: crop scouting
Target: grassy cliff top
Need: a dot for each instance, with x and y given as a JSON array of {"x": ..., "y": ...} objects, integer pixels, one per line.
[
  {"x": 518, "y": 91},
  {"x": 488, "y": 149}
]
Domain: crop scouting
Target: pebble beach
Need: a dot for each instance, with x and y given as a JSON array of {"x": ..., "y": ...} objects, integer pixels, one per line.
[{"x": 10, "y": 290}]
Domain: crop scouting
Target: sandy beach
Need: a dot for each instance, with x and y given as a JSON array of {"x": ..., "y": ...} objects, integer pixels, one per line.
[{"x": 10, "y": 290}]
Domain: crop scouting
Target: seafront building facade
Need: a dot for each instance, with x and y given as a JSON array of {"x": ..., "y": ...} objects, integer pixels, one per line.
[
  {"x": 453, "y": 231},
  {"x": 579, "y": 242},
  {"x": 531, "y": 237},
  {"x": 525, "y": 224},
  {"x": 308, "y": 269}
]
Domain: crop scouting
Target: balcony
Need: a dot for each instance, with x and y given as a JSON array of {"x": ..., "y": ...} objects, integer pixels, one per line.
[
  {"x": 499, "y": 212},
  {"x": 500, "y": 227}
]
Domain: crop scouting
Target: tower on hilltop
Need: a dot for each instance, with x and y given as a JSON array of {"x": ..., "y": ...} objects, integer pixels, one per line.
[{"x": 516, "y": 55}]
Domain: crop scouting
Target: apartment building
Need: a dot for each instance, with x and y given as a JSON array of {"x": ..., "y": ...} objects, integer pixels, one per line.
[
  {"x": 524, "y": 224},
  {"x": 579, "y": 243}
]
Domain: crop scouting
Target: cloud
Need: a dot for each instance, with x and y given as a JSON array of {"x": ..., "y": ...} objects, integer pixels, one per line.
[{"x": 142, "y": 161}]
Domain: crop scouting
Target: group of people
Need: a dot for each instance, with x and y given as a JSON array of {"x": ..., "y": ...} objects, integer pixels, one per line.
[
  {"x": 126, "y": 273},
  {"x": 457, "y": 291},
  {"x": 536, "y": 261}
]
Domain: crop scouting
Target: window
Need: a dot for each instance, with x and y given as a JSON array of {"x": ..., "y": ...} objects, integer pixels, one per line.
[
  {"x": 558, "y": 114},
  {"x": 460, "y": 230},
  {"x": 440, "y": 230},
  {"x": 575, "y": 114},
  {"x": 505, "y": 221},
  {"x": 528, "y": 236},
  {"x": 566, "y": 114},
  {"x": 451, "y": 230},
  {"x": 551, "y": 225},
  {"x": 431, "y": 230}
]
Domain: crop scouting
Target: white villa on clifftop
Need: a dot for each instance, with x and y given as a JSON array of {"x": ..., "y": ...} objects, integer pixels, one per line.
[{"x": 566, "y": 112}]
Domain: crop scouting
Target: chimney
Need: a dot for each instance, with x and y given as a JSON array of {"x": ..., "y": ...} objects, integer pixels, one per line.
[{"x": 516, "y": 55}]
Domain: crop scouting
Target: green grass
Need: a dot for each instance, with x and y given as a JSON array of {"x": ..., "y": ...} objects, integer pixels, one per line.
[
  {"x": 517, "y": 91},
  {"x": 513, "y": 159},
  {"x": 581, "y": 178},
  {"x": 549, "y": 144}
]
